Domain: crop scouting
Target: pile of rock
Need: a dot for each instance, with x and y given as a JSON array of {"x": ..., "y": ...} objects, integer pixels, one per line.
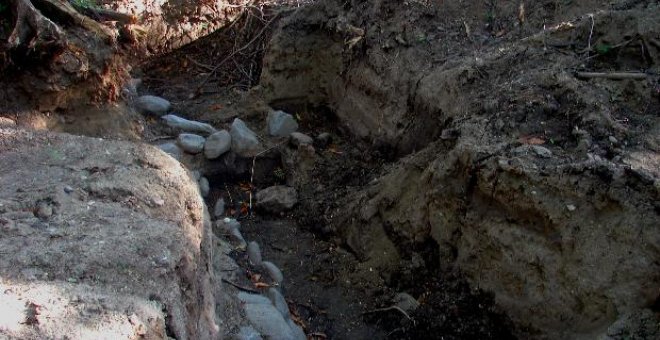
[{"x": 268, "y": 313}]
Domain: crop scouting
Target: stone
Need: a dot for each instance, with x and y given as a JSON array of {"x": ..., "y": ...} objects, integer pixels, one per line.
[
  {"x": 612, "y": 139},
  {"x": 224, "y": 225},
  {"x": 236, "y": 239},
  {"x": 541, "y": 151},
  {"x": 186, "y": 125},
  {"x": 7, "y": 122},
  {"x": 536, "y": 149},
  {"x": 254, "y": 253},
  {"x": 247, "y": 333},
  {"x": 274, "y": 272},
  {"x": 217, "y": 144},
  {"x": 570, "y": 207},
  {"x": 281, "y": 124},
  {"x": 277, "y": 198},
  {"x": 219, "y": 208},
  {"x": 172, "y": 149},
  {"x": 191, "y": 143},
  {"x": 245, "y": 297},
  {"x": 323, "y": 140},
  {"x": 279, "y": 302},
  {"x": 298, "y": 333},
  {"x": 267, "y": 320},
  {"x": 196, "y": 175},
  {"x": 298, "y": 139},
  {"x": 153, "y": 105},
  {"x": 406, "y": 302},
  {"x": 244, "y": 141},
  {"x": 204, "y": 187}
]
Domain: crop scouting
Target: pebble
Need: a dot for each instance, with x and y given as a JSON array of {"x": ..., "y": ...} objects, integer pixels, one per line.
[
  {"x": 237, "y": 239},
  {"x": 247, "y": 333},
  {"x": 196, "y": 174},
  {"x": 406, "y": 302},
  {"x": 217, "y": 144},
  {"x": 68, "y": 189},
  {"x": 612, "y": 139},
  {"x": 268, "y": 321},
  {"x": 244, "y": 141},
  {"x": 274, "y": 272},
  {"x": 7, "y": 122},
  {"x": 172, "y": 149},
  {"x": 279, "y": 302},
  {"x": 299, "y": 139},
  {"x": 186, "y": 125},
  {"x": 277, "y": 198},
  {"x": 204, "y": 187},
  {"x": 570, "y": 207},
  {"x": 281, "y": 124},
  {"x": 153, "y": 105},
  {"x": 191, "y": 143},
  {"x": 226, "y": 224},
  {"x": 254, "y": 253},
  {"x": 219, "y": 208},
  {"x": 323, "y": 140},
  {"x": 541, "y": 151}
]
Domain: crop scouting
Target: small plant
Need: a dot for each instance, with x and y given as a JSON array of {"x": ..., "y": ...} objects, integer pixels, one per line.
[{"x": 279, "y": 174}]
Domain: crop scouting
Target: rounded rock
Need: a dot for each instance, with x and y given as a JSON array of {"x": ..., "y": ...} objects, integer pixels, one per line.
[
  {"x": 204, "y": 186},
  {"x": 191, "y": 143},
  {"x": 254, "y": 253},
  {"x": 274, "y": 272},
  {"x": 217, "y": 144},
  {"x": 153, "y": 105}
]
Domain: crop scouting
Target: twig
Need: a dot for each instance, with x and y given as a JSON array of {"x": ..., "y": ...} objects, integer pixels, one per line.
[
  {"x": 591, "y": 32},
  {"x": 397, "y": 308},
  {"x": 231, "y": 55},
  {"x": 249, "y": 290},
  {"x": 204, "y": 66},
  {"x": 157, "y": 138},
  {"x": 611, "y": 75}
]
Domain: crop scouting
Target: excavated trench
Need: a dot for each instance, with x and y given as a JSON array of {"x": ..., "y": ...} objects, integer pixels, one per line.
[{"x": 458, "y": 197}]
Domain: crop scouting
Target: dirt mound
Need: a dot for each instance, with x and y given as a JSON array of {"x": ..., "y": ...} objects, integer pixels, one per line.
[
  {"x": 101, "y": 239},
  {"x": 532, "y": 141}
]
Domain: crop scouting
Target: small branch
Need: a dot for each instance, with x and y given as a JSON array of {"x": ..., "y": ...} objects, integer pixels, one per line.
[
  {"x": 397, "y": 308},
  {"x": 245, "y": 289},
  {"x": 591, "y": 32},
  {"x": 611, "y": 75},
  {"x": 102, "y": 14}
]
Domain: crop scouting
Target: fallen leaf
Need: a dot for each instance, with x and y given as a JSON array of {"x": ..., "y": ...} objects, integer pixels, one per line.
[
  {"x": 255, "y": 278},
  {"x": 261, "y": 285},
  {"x": 531, "y": 140},
  {"x": 215, "y": 107}
]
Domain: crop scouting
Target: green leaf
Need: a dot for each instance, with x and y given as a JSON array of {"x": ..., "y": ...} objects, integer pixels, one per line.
[{"x": 603, "y": 48}]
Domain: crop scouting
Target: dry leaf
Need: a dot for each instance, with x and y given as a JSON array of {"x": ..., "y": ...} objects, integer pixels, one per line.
[
  {"x": 215, "y": 107},
  {"x": 261, "y": 285},
  {"x": 531, "y": 140}
]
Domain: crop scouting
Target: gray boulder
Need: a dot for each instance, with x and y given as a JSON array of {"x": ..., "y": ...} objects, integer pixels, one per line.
[
  {"x": 279, "y": 302},
  {"x": 281, "y": 124},
  {"x": 186, "y": 125},
  {"x": 277, "y": 198},
  {"x": 217, "y": 144},
  {"x": 191, "y": 143},
  {"x": 274, "y": 272},
  {"x": 244, "y": 141},
  {"x": 219, "y": 208},
  {"x": 268, "y": 321},
  {"x": 298, "y": 333},
  {"x": 299, "y": 139},
  {"x": 153, "y": 105},
  {"x": 247, "y": 333},
  {"x": 254, "y": 253},
  {"x": 204, "y": 186}
]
